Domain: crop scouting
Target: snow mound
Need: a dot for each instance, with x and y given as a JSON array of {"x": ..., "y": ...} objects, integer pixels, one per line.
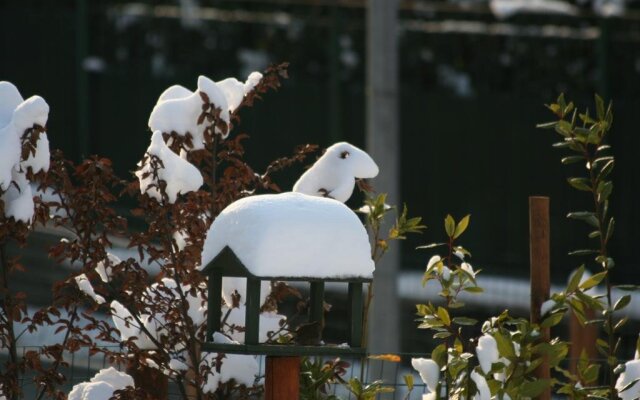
[
  {"x": 630, "y": 374},
  {"x": 180, "y": 175},
  {"x": 504, "y": 9},
  {"x": 18, "y": 199},
  {"x": 292, "y": 235},
  {"x": 487, "y": 352},
  {"x": 101, "y": 386},
  {"x": 334, "y": 174},
  {"x": 85, "y": 286},
  {"x": 16, "y": 116},
  {"x": 428, "y": 370},
  {"x": 241, "y": 368},
  {"x": 178, "y": 108},
  {"x": 481, "y": 384}
]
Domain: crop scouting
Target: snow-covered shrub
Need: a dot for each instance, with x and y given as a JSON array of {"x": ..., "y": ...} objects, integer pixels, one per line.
[{"x": 186, "y": 177}]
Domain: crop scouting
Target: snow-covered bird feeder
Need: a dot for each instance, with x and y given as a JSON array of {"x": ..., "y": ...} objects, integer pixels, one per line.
[{"x": 287, "y": 237}]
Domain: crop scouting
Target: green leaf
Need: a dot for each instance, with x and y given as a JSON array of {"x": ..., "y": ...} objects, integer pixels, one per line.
[
  {"x": 505, "y": 347},
  {"x": 408, "y": 380},
  {"x": 622, "y": 302},
  {"x": 552, "y": 320},
  {"x": 604, "y": 190},
  {"x": 593, "y": 281},
  {"x": 444, "y": 316},
  {"x": 610, "y": 229},
  {"x": 462, "y": 226},
  {"x": 572, "y": 160},
  {"x": 430, "y": 245},
  {"x": 586, "y": 216},
  {"x": 442, "y": 335},
  {"x": 575, "y": 280},
  {"x": 474, "y": 289},
  {"x": 583, "y": 252},
  {"x": 449, "y": 225},
  {"x": 464, "y": 321},
  {"x": 534, "y": 388},
  {"x": 439, "y": 354},
  {"x": 580, "y": 184},
  {"x": 547, "y": 125},
  {"x": 599, "y": 107},
  {"x": 606, "y": 170},
  {"x": 628, "y": 288}
]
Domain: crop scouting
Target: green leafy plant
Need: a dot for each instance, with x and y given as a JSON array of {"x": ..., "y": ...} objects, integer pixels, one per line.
[{"x": 584, "y": 137}]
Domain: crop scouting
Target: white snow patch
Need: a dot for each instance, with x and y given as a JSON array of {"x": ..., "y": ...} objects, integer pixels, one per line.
[
  {"x": 503, "y": 9},
  {"x": 547, "y": 306},
  {"x": 292, "y": 235},
  {"x": 631, "y": 373},
  {"x": 180, "y": 175},
  {"x": 18, "y": 199},
  {"x": 101, "y": 386},
  {"x": 483, "y": 388},
  {"x": 231, "y": 285},
  {"x": 85, "y": 286},
  {"x": 241, "y": 368},
  {"x": 269, "y": 323},
  {"x": 252, "y": 81},
  {"x": 104, "y": 267},
  {"x": 428, "y": 370},
  {"x": 334, "y": 174},
  {"x": 487, "y": 351}
]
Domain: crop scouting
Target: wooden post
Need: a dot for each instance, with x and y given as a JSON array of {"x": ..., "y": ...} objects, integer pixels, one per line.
[
  {"x": 582, "y": 338},
  {"x": 151, "y": 380},
  {"x": 540, "y": 284},
  {"x": 282, "y": 378}
]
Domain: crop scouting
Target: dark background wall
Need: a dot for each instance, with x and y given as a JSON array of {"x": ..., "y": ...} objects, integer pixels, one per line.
[{"x": 469, "y": 102}]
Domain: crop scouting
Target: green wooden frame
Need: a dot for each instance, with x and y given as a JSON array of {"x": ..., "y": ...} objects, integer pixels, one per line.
[{"x": 227, "y": 264}]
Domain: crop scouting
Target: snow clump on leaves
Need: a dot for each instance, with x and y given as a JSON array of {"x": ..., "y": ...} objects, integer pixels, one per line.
[
  {"x": 334, "y": 174},
  {"x": 101, "y": 386}
]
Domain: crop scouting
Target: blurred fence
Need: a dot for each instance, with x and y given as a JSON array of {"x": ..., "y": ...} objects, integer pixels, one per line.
[{"x": 81, "y": 367}]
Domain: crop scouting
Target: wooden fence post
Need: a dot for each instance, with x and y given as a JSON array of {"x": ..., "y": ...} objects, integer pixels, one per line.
[
  {"x": 282, "y": 380},
  {"x": 582, "y": 338},
  {"x": 540, "y": 260}
]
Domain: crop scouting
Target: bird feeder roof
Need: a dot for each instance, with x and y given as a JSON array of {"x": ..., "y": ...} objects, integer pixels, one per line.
[{"x": 289, "y": 236}]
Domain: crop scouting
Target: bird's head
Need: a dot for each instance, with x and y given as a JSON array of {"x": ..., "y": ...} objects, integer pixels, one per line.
[{"x": 357, "y": 162}]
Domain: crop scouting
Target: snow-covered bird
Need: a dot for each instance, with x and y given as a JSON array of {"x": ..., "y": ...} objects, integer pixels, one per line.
[{"x": 334, "y": 174}]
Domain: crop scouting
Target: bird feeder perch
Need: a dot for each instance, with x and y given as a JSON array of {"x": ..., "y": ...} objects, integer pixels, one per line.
[
  {"x": 227, "y": 264},
  {"x": 287, "y": 237}
]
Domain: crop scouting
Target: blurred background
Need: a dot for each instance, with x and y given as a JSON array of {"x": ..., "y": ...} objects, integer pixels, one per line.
[{"x": 473, "y": 78}]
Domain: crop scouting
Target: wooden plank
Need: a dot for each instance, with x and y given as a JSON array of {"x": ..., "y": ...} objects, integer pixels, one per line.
[
  {"x": 282, "y": 381},
  {"x": 539, "y": 237}
]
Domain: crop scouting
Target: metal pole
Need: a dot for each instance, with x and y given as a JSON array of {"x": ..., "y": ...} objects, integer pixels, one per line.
[{"x": 383, "y": 145}]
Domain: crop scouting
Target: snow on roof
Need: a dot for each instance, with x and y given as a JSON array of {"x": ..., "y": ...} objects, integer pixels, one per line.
[
  {"x": 334, "y": 174},
  {"x": 292, "y": 235},
  {"x": 179, "y": 174}
]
